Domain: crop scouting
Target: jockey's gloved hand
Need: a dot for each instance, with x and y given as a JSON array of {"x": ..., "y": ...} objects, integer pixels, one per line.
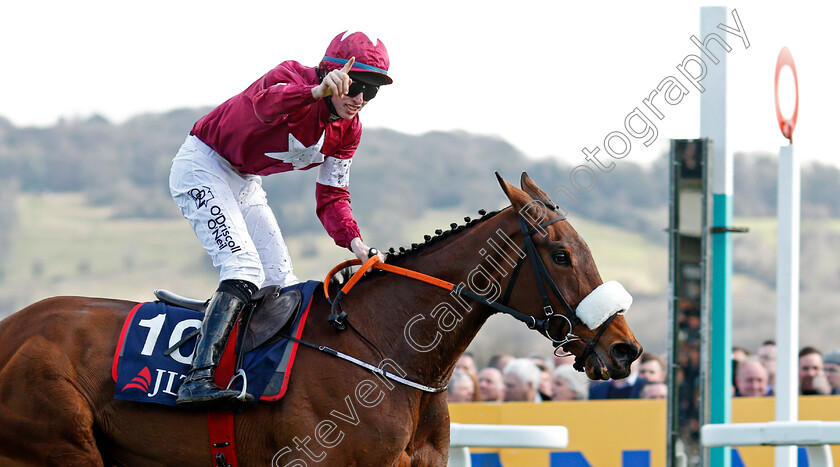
[
  {"x": 362, "y": 251},
  {"x": 337, "y": 82}
]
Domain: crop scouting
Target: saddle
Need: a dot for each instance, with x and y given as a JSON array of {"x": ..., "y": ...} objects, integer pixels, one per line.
[{"x": 268, "y": 312}]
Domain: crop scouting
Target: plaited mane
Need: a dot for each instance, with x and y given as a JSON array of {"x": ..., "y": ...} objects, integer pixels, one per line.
[{"x": 440, "y": 235}]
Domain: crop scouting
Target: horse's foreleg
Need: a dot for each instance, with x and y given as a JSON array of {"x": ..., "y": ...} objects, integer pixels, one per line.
[
  {"x": 434, "y": 452},
  {"x": 428, "y": 456}
]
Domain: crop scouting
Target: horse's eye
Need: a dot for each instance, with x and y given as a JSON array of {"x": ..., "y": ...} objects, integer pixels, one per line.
[{"x": 561, "y": 257}]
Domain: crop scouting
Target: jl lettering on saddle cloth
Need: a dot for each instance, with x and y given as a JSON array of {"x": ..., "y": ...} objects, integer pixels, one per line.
[{"x": 153, "y": 358}]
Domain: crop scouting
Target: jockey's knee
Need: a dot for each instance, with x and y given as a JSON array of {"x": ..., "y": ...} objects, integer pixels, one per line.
[{"x": 239, "y": 288}]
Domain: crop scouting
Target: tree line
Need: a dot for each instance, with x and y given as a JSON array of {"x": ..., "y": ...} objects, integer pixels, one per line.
[{"x": 396, "y": 177}]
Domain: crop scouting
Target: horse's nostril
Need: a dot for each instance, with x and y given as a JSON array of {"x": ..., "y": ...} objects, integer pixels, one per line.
[{"x": 624, "y": 352}]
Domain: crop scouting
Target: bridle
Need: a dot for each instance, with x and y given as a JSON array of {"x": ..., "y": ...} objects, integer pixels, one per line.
[
  {"x": 338, "y": 318},
  {"x": 543, "y": 277}
]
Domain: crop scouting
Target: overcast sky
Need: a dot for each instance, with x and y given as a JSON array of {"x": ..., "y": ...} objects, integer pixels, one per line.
[{"x": 549, "y": 77}]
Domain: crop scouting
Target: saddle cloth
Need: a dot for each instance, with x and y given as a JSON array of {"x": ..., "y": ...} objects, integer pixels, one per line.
[{"x": 143, "y": 372}]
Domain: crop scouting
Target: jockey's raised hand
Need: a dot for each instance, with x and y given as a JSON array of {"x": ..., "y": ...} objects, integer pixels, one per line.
[
  {"x": 362, "y": 251},
  {"x": 337, "y": 82}
]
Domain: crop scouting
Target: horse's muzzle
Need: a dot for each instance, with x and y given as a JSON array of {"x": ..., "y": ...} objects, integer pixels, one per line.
[{"x": 623, "y": 354}]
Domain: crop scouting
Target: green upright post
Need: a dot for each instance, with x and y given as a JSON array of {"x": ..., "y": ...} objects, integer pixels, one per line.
[{"x": 720, "y": 407}]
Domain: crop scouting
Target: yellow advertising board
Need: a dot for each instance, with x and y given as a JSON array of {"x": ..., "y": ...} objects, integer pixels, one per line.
[{"x": 619, "y": 432}]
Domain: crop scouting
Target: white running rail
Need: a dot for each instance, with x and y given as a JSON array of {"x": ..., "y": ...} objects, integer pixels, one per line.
[
  {"x": 814, "y": 435},
  {"x": 464, "y": 436}
]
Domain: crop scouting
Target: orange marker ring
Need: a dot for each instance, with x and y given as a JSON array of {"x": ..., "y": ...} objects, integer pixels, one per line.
[{"x": 786, "y": 125}]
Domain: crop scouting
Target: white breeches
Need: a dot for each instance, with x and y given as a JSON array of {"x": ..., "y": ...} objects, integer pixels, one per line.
[{"x": 230, "y": 216}]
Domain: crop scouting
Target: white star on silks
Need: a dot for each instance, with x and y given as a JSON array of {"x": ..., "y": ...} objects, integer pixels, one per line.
[{"x": 300, "y": 155}]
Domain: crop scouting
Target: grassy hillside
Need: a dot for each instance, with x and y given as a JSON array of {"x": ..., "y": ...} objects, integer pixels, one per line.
[{"x": 61, "y": 246}]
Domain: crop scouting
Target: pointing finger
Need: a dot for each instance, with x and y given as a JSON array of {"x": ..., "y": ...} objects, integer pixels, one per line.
[{"x": 349, "y": 65}]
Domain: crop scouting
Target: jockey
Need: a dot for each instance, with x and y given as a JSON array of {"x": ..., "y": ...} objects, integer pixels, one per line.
[{"x": 293, "y": 118}]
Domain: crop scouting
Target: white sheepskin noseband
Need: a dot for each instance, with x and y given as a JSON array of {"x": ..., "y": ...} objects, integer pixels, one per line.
[{"x": 606, "y": 300}]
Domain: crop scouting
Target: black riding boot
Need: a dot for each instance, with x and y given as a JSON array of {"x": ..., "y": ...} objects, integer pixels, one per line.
[{"x": 199, "y": 391}]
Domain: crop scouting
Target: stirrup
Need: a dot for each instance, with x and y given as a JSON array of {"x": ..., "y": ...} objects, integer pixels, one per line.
[{"x": 243, "y": 395}]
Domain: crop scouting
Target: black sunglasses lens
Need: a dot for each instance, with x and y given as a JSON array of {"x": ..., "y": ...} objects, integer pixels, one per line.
[
  {"x": 369, "y": 90},
  {"x": 355, "y": 88}
]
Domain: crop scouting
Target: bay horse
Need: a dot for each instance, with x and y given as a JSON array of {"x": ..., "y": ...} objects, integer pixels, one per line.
[{"x": 57, "y": 403}]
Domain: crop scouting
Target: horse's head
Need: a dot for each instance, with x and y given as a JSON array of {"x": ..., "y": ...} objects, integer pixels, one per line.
[{"x": 565, "y": 297}]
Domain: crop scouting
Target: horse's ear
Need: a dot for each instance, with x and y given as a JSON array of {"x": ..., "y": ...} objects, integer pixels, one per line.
[
  {"x": 533, "y": 189},
  {"x": 518, "y": 198}
]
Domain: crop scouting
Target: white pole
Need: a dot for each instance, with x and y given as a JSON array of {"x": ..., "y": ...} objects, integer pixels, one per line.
[
  {"x": 786, "y": 386},
  {"x": 713, "y": 101},
  {"x": 716, "y": 356}
]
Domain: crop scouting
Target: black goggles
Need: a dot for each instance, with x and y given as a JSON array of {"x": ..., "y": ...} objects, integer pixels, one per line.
[{"x": 369, "y": 90}]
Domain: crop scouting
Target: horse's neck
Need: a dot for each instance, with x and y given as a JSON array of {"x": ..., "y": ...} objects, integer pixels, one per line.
[{"x": 430, "y": 326}]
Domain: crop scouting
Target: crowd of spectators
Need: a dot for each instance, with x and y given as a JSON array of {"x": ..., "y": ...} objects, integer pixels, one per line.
[
  {"x": 537, "y": 378},
  {"x": 754, "y": 375}
]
